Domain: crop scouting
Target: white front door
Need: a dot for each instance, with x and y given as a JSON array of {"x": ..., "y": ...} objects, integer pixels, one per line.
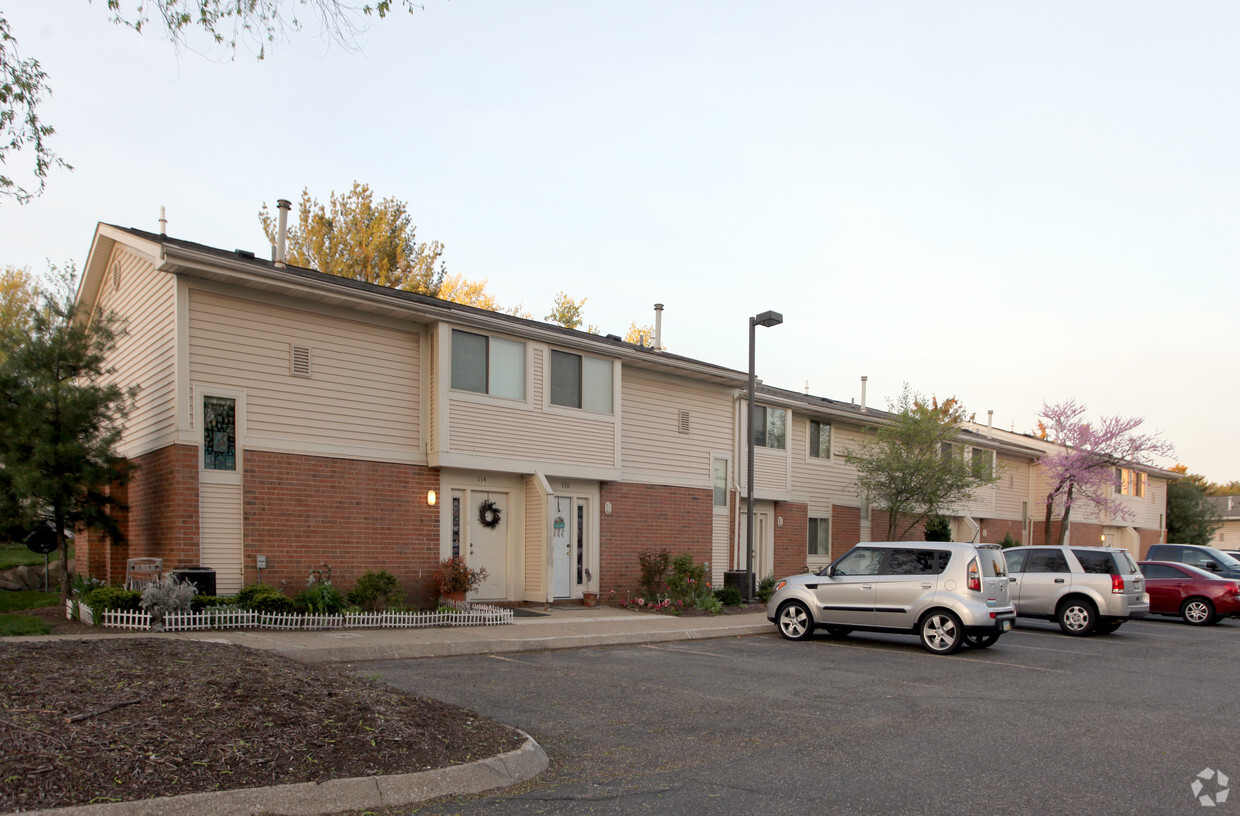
[
  {"x": 488, "y": 542},
  {"x": 764, "y": 547}
]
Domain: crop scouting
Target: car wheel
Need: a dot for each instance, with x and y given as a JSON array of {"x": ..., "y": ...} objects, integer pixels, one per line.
[
  {"x": 1077, "y": 617},
  {"x": 941, "y": 633},
  {"x": 794, "y": 621},
  {"x": 838, "y": 631},
  {"x": 1110, "y": 626},
  {"x": 1198, "y": 612},
  {"x": 981, "y": 641}
]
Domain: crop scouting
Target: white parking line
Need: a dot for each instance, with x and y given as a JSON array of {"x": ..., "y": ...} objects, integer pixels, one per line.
[
  {"x": 957, "y": 656},
  {"x": 1045, "y": 649}
]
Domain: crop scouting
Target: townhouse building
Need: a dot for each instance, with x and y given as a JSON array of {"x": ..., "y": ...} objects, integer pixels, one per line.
[{"x": 288, "y": 420}]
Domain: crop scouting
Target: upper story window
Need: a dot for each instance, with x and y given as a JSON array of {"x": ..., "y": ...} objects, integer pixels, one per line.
[
  {"x": 983, "y": 463},
  {"x": 1130, "y": 482},
  {"x": 719, "y": 481},
  {"x": 219, "y": 433},
  {"x": 581, "y": 382},
  {"x": 768, "y": 427},
  {"x": 488, "y": 365},
  {"x": 945, "y": 451},
  {"x": 819, "y": 439}
]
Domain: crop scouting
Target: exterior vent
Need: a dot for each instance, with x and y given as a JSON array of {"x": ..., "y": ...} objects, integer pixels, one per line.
[
  {"x": 300, "y": 361},
  {"x": 116, "y": 277},
  {"x": 684, "y": 422}
]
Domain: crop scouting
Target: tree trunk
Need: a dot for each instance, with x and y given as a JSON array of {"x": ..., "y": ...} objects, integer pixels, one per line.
[
  {"x": 62, "y": 545},
  {"x": 1050, "y": 514},
  {"x": 1063, "y": 523}
]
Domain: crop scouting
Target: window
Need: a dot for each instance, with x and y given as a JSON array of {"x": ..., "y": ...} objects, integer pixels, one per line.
[
  {"x": 1161, "y": 571},
  {"x": 945, "y": 451},
  {"x": 1095, "y": 562},
  {"x": 768, "y": 427},
  {"x": 580, "y": 382},
  {"x": 819, "y": 439},
  {"x": 1047, "y": 561},
  {"x": 488, "y": 365},
  {"x": 861, "y": 561},
  {"x": 819, "y": 536},
  {"x": 1129, "y": 482},
  {"x": 916, "y": 562},
  {"x": 719, "y": 480},
  {"x": 219, "y": 433},
  {"x": 983, "y": 463}
]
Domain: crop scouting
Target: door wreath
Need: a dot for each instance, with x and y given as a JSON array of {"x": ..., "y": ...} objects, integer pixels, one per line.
[{"x": 488, "y": 514}]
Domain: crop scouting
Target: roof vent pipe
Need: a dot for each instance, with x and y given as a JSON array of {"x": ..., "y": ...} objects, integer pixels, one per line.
[
  {"x": 990, "y": 422},
  {"x": 284, "y": 205},
  {"x": 863, "y": 379},
  {"x": 658, "y": 327},
  {"x": 163, "y": 221}
]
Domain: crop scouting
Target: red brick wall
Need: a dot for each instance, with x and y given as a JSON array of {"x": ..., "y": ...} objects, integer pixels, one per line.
[
  {"x": 1148, "y": 539},
  {"x": 791, "y": 540},
  {"x": 305, "y": 511},
  {"x": 845, "y": 529},
  {"x": 676, "y": 519},
  {"x": 878, "y": 528},
  {"x": 162, "y": 519},
  {"x": 993, "y": 530}
]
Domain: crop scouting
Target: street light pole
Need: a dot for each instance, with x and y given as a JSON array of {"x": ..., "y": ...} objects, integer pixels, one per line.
[{"x": 766, "y": 319}]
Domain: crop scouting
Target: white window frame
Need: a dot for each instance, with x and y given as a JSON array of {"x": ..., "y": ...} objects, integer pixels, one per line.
[
  {"x": 809, "y": 444},
  {"x": 582, "y": 385},
  {"x": 200, "y": 393},
  {"x": 766, "y": 425},
  {"x": 810, "y": 526},
  {"x": 488, "y": 394}
]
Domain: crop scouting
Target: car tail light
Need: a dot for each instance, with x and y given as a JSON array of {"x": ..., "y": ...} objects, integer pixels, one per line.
[
  {"x": 1117, "y": 584},
  {"x": 975, "y": 576}
]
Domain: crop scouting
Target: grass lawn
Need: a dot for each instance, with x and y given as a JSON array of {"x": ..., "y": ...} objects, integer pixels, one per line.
[
  {"x": 25, "y": 624},
  {"x": 12, "y": 625},
  {"x": 15, "y": 555}
]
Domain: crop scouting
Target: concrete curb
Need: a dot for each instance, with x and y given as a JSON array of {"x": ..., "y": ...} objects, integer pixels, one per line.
[
  {"x": 506, "y": 645},
  {"x": 310, "y": 798}
]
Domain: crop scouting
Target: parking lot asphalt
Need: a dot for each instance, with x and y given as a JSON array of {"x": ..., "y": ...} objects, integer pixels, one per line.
[{"x": 1039, "y": 724}]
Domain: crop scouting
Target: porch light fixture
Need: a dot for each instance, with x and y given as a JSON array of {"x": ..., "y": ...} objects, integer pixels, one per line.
[
  {"x": 766, "y": 320},
  {"x": 431, "y": 498}
]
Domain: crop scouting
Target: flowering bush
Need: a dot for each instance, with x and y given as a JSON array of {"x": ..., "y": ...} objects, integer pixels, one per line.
[{"x": 454, "y": 575}]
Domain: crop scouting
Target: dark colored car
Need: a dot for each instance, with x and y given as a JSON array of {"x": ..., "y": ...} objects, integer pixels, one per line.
[
  {"x": 1197, "y": 596},
  {"x": 1206, "y": 558}
]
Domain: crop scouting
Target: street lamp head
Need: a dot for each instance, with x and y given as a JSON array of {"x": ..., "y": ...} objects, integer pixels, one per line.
[{"x": 768, "y": 319}]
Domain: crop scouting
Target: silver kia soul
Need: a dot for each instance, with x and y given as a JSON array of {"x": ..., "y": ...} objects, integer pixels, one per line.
[{"x": 950, "y": 594}]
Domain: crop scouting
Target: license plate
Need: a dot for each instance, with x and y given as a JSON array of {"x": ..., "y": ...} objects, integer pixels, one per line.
[{"x": 1005, "y": 626}]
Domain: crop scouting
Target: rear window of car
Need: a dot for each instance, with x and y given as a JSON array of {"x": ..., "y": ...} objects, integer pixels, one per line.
[
  {"x": 1099, "y": 562},
  {"x": 1127, "y": 566},
  {"x": 993, "y": 563},
  {"x": 1158, "y": 572},
  {"x": 916, "y": 562}
]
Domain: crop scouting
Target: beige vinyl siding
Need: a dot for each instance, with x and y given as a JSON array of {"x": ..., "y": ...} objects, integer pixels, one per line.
[
  {"x": 823, "y": 482},
  {"x": 1012, "y": 488},
  {"x": 720, "y": 547},
  {"x": 221, "y": 534},
  {"x": 652, "y": 447},
  {"x": 361, "y": 398},
  {"x": 516, "y": 430},
  {"x": 432, "y": 402},
  {"x": 145, "y": 354},
  {"x": 535, "y": 542}
]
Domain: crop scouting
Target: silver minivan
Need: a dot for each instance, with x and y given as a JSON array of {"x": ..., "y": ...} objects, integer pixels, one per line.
[
  {"x": 949, "y": 594},
  {"x": 1086, "y": 590}
]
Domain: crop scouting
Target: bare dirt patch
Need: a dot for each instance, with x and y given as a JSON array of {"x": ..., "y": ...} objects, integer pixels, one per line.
[{"x": 100, "y": 720}]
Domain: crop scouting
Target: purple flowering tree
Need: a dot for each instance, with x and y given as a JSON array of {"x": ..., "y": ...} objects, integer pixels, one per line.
[{"x": 1082, "y": 469}]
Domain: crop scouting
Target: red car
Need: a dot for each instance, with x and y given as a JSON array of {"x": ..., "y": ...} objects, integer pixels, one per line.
[{"x": 1197, "y": 596}]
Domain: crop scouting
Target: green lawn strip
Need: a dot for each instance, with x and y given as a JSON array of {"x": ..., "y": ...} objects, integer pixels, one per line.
[
  {"x": 16, "y": 555},
  {"x": 12, "y": 625},
  {"x": 27, "y": 599}
]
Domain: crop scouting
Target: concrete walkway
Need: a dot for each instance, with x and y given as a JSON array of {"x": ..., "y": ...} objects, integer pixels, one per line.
[{"x": 534, "y": 630}]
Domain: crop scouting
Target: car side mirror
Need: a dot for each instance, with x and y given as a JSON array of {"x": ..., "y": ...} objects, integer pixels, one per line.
[{"x": 830, "y": 571}]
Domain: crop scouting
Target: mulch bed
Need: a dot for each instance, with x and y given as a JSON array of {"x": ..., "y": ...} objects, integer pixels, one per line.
[{"x": 101, "y": 720}]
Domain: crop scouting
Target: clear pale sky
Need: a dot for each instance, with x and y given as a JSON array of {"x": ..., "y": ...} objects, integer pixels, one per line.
[{"x": 1005, "y": 202}]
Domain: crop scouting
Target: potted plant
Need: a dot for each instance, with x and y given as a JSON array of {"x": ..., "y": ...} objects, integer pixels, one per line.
[
  {"x": 454, "y": 578},
  {"x": 589, "y": 597}
]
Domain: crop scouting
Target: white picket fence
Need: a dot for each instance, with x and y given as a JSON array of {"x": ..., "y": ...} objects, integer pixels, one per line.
[{"x": 230, "y": 618}]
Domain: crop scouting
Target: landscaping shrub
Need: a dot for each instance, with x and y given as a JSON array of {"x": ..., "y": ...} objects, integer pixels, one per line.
[
  {"x": 200, "y": 602},
  {"x": 766, "y": 588},
  {"x": 938, "y": 528},
  {"x": 320, "y": 599},
  {"x": 110, "y": 598},
  {"x": 729, "y": 596},
  {"x": 687, "y": 581},
  {"x": 1008, "y": 541},
  {"x": 654, "y": 568},
  {"x": 372, "y": 587},
  {"x": 264, "y": 598},
  {"x": 166, "y": 595}
]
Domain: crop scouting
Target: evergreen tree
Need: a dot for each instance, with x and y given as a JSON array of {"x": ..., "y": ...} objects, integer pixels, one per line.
[
  {"x": 62, "y": 422},
  {"x": 1191, "y": 517}
]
